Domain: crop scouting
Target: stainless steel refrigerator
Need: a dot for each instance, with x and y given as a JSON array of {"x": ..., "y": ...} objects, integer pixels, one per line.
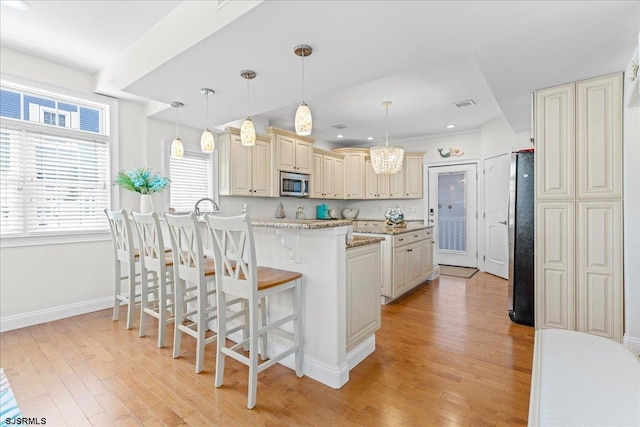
[{"x": 521, "y": 231}]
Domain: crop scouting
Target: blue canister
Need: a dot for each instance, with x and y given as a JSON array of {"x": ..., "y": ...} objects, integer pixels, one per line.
[{"x": 322, "y": 211}]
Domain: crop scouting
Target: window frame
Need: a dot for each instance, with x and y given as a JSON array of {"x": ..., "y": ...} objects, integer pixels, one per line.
[
  {"x": 192, "y": 149},
  {"x": 110, "y": 124}
]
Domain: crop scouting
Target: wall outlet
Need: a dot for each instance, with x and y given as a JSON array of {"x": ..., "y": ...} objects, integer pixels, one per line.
[{"x": 244, "y": 208}]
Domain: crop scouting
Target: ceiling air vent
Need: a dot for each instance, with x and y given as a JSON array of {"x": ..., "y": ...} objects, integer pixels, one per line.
[
  {"x": 339, "y": 126},
  {"x": 465, "y": 103}
]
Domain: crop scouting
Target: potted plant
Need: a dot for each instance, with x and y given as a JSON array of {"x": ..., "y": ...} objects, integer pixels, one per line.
[{"x": 143, "y": 181}]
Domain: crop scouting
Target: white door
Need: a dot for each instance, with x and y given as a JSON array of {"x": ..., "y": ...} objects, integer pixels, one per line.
[
  {"x": 453, "y": 212},
  {"x": 496, "y": 212}
]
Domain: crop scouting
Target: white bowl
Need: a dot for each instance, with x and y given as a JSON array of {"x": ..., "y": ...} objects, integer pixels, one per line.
[{"x": 349, "y": 213}]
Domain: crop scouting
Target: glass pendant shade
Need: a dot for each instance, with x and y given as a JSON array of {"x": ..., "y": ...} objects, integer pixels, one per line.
[
  {"x": 386, "y": 160},
  {"x": 303, "y": 120},
  {"x": 177, "y": 149},
  {"x": 207, "y": 143},
  {"x": 248, "y": 132}
]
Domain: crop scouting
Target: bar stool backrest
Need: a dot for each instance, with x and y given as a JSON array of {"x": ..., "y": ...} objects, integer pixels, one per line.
[
  {"x": 234, "y": 254},
  {"x": 123, "y": 247},
  {"x": 186, "y": 241},
  {"x": 150, "y": 241}
]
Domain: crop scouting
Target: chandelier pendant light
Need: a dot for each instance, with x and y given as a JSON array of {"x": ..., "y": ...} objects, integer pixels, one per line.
[
  {"x": 207, "y": 143},
  {"x": 303, "y": 121},
  {"x": 177, "y": 149},
  {"x": 384, "y": 159},
  {"x": 248, "y": 130}
]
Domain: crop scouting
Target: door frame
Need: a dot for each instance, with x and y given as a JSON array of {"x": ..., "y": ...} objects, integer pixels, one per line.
[
  {"x": 477, "y": 163},
  {"x": 480, "y": 187}
]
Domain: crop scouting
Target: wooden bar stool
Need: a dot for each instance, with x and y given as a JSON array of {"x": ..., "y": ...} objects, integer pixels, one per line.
[
  {"x": 124, "y": 253},
  {"x": 239, "y": 276},
  {"x": 195, "y": 288},
  {"x": 155, "y": 259}
]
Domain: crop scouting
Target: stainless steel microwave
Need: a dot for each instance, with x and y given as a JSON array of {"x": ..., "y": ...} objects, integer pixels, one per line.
[{"x": 294, "y": 184}]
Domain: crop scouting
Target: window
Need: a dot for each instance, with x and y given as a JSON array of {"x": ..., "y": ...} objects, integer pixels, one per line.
[
  {"x": 192, "y": 178},
  {"x": 54, "y": 165}
]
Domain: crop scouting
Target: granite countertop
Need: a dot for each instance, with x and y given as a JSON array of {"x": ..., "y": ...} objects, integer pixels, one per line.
[
  {"x": 391, "y": 230},
  {"x": 363, "y": 241},
  {"x": 299, "y": 224}
]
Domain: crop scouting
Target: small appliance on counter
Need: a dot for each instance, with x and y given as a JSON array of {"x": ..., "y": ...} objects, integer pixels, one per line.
[{"x": 322, "y": 211}]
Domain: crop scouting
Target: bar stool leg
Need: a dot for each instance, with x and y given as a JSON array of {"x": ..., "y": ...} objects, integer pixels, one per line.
[
  {"x": 179, "y": 307},
  {"x": 222, "y": 338},
  {"x": 297, "y": 328},
  {"x": 132, "y": 295},
  {"x": 253, "y": 353}
]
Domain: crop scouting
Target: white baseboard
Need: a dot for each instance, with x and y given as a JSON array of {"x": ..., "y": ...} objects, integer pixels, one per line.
[
  {"x": 632, "y": 342},
  {"x": 361, "y": 351},
  {"x": 9, "y": 323}
]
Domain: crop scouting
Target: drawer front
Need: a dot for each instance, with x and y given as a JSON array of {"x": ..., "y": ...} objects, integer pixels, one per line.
[{"x": 410, "y": 237}]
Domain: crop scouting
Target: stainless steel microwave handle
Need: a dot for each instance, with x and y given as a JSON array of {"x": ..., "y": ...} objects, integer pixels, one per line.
[{"x": 304, "y": 186}]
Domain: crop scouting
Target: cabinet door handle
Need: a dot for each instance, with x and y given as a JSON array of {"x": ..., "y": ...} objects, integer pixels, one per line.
[
  {"x": 400, "y": 240},
  {"x": 415, "y": 235}
]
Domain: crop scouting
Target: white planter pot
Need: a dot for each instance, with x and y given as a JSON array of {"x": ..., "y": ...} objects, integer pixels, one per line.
[{"x": 146, "y": 203}]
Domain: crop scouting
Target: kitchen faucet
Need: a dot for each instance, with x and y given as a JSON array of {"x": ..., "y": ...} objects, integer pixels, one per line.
[{"x": 213, "y": 202}]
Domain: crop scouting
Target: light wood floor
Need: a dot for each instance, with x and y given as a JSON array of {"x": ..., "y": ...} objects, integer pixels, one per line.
[{"x": 447, "y": 354}]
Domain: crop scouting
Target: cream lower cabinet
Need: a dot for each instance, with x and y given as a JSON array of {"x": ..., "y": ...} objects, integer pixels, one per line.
[
  {"x": 407, "y": 261},
  {"x": 599, "y": 294},
  {"x": 555, "y": 265},
  {"x": 579, "y": 236},
  {"x": 242, "y": 170},
  {"x": 364, "y": 277}
]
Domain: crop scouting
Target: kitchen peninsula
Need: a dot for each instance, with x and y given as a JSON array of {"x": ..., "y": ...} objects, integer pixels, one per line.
[{"x": 341, "y": 285}]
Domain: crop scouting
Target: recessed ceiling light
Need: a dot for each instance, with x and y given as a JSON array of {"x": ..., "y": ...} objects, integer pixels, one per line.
[
  {"x": 451, "y": 126},
  {"x": 16, "y": 4},
  {"x": 339, "y": 135},
  {"x": 369, "y": 138}
]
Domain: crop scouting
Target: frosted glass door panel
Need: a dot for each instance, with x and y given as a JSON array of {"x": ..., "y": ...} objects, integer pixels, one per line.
[{"x": 451, "y": 212}]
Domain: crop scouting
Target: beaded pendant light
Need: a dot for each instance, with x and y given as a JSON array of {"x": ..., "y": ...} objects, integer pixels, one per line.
[{"x": 384, "y": 159}]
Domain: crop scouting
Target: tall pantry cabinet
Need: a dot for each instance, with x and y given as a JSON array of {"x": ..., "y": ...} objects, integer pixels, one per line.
[{"x": 578, "y": 238}]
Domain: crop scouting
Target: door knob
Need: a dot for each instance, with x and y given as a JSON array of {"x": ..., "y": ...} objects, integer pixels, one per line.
[
  {"x": 502, "y": 222},
  {"x": 430, "y": 219}
]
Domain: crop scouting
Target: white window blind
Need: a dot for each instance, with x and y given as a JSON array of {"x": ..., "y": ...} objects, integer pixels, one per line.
[
  {"x": 191, "y": 180},
  {"x": 52, "y": 183}
]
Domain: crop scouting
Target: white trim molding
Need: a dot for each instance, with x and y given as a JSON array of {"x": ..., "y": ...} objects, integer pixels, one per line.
[
  {"x": 9, "y": 323},
  {"x": 632, "y": 343}
]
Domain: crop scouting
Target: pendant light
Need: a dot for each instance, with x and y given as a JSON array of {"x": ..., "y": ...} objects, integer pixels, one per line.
[
  {"x": 384, "y": 159},
  {"x": 303, "y": 120},
  {"x": 177, "y": 150},
  {"x": 248, "y": 130},
  {"x": 207, "y": 143}
]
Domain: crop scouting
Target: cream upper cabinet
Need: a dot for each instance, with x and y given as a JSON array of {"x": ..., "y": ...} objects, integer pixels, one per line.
[
  {"x": 598, "y": 138},
  {"x": 317, "y": 188},
  {"x": 413, "y": 175},
  {"x": 242, "y": 170},
  {"x": 327, "y": 179},
  {"x": 354, "y": 172},
  {"x": 292, "y": 153},
  {"x": 396, "y": 184},
  {"x": 406, "y": 184},
  {"x": 555, "y": 142},
  {"x": 376, "y": 186},
  {"x": 339, "y": 177},
  {"x": 578, "y": 167}
]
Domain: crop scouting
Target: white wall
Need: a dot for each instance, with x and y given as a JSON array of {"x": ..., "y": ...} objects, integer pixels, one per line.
[
  {"x": 631, "y": 121},
  {"x": 42, "y": 283}
]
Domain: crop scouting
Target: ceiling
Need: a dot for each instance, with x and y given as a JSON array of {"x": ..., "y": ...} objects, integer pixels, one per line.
[{"x": 422, "y": 55}]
